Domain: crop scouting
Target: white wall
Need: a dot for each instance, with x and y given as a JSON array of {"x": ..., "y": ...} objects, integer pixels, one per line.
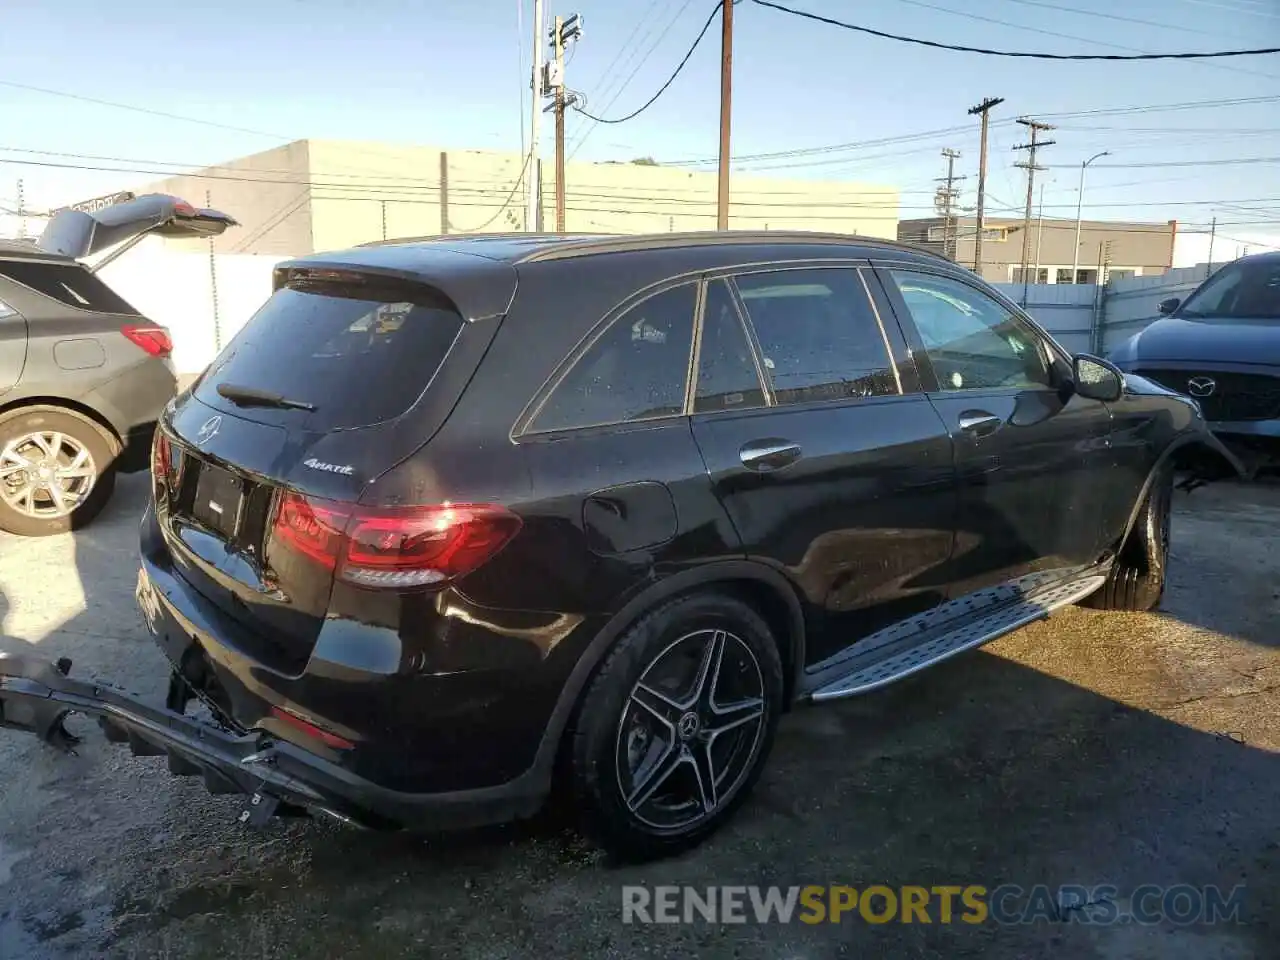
[{"x": 176, "y": 289}]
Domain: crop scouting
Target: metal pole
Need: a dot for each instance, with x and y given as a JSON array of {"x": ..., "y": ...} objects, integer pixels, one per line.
[
  {"x": 726, "y": 93},
  {"x": 982, "y": 109},
  {"x": 1075, "y": 263},
  {"x": 534, "y": 171},
  {"x": 384, "y": 219},
  {"x": 213, "y": 285},
  {"x": 1039, "y": 233},
  {"x": 560, "y": 186},
  {"x": 444, "y": 192},
  {"x": 1213, "y": 231}
]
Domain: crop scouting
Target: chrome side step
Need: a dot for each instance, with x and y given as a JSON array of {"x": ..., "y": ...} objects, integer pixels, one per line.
[{"x": 893, "y": 661}]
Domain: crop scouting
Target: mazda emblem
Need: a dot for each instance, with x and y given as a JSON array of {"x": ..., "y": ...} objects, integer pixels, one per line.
[
  {"x": 209, "y": 428},
  {"x": 1202, "y": 386}
]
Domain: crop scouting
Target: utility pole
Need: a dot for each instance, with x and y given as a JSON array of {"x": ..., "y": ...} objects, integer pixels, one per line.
[
  {"x": 982, "y": 110},
  {"x": 1212, "y": 233},
  {"x": 944, "y": 199},
  {"x": 534, "y": 166},
  {"x": 1030, "y": 166},
  {"x": 726, "y": 96},
  {"x": 1039, "y": 231},
  {"x": 1075, "y": 262},
  {"x": 563, "y": 32},
  {"x": 444, "y": 192},
  {"x": 22, "y": 212}
]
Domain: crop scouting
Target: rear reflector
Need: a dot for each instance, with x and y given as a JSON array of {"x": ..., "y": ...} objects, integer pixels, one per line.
[
  {"x": 155, "y": 340},
  {"x": 161, "y": 457},
  {"x": 310, "y": 729},
  {"x": 394, "y": 547}
]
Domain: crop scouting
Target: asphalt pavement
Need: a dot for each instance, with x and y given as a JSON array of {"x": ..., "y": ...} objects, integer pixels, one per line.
[{"x": 1095, "y": 749}]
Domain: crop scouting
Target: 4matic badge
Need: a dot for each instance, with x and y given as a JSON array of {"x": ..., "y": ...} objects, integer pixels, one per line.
[{"x": 341, "y": 468}]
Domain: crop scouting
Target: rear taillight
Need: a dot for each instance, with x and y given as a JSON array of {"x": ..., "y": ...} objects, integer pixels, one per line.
[
  {"x": 161, "y": 457},
  {"x": 394, "y": 546},
  {"x": 155, "y": 340}
]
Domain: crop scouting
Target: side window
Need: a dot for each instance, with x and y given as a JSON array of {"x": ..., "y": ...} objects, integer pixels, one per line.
[
  {"x": 70, "y": 284},
  {"x": 727, "y": 377},
  {"x": 635, "y": 370},
  {"x": 818, "y": 334},
  {"x": 972, "y": 341}
]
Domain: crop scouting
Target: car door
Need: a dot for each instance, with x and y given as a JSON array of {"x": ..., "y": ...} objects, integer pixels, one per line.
[
  {"x": 13, "y": 346},
  {"x": 1033, "y": 458},
  {"x": 831, "y": 464}
]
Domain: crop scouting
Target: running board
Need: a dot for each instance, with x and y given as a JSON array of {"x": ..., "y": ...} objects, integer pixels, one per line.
[{"x": 893, "y": 661}]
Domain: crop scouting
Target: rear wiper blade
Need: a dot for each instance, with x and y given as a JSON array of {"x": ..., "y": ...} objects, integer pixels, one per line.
[{"x": 249, "y": 397}]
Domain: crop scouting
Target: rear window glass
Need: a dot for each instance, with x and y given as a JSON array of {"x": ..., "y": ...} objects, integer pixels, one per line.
[
  {"x": 636, "y": 370},
  {"x": 70, "y": 284},
  {"x": 359, "y": 355}
]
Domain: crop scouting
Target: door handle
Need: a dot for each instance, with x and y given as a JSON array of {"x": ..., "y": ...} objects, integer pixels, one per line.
[
  {"x": 979, "y": 423},
  {"x": 768, "y": 454}
]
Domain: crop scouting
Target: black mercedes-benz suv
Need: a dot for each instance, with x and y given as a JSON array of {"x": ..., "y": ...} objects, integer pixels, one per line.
[{"x": 451, "y": 519}]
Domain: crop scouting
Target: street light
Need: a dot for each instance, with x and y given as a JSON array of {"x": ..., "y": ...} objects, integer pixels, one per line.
[{"x": 1075, "y": 263}]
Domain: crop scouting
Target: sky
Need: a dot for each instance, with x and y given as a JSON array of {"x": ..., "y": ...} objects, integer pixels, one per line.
[{"x": 237, "y": 77}]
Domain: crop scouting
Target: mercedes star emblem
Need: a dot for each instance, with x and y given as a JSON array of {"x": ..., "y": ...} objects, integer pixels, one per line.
[{"x": 208, "y": 429}]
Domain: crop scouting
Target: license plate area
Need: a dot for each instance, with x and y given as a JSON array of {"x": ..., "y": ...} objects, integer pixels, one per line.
[{"x": 219, "y": 500}]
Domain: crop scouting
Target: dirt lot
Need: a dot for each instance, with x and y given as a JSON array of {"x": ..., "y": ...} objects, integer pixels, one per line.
[{"x": 1119, "y": 749}]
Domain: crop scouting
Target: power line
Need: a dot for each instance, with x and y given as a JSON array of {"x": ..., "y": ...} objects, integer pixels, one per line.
[
  {"x": 505, "y": 203},
  {"x": 985, "y": 51},
  {"x": 670, "y": 80},
  {"x": 1162, "y": 107},
  {"x": 1231, "y": 161},
  {"x": 1113, "y": 16}
]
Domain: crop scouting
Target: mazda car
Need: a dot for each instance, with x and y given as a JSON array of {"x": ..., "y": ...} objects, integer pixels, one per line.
[
  {"x": 1221, "y": 346},
  {"x": 452, "y": 522}
]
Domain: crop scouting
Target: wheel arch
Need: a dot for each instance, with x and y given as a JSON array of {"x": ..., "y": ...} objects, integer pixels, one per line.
[
  {"x": 760, "y": 586},
  {"x": 63, "y": 405}
]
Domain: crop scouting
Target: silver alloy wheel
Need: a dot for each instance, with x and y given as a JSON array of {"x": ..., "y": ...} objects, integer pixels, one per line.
[
  {"x": 690, "y": 730},
  {"x": 46, "y": 474}
]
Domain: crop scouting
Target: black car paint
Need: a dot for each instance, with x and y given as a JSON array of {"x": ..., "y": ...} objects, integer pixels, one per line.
[{"x": 469, "y": 688}]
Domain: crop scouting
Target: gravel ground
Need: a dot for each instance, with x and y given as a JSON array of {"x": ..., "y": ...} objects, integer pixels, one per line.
[{"x": 1091, "y": 749}]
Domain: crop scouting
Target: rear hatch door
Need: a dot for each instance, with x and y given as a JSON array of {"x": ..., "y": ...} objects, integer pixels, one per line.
[
  {"x": 82, "y": 233},
  {"x": 341, "y": 375}
]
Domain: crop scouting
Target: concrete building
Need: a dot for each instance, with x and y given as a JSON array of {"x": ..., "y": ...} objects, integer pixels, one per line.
[
  {"x": 1124, "y": 249},
  {"x": 322, "y": 195}
]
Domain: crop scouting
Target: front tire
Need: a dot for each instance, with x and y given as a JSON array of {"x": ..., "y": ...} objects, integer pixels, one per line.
[
  {"x": 1137, "y": 577},
  {"x": 676, "y": 726},
  {"x": 57, "y": 471}
]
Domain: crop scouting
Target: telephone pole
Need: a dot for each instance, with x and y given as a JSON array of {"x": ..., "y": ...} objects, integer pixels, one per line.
[
  {"x": 533, "y": 169},
  {"x": 944, "y": 200},
  {"x": 563, "y": 32},
  {"x": 982, "y": 110},
  {"x": 726, "y": 95},
  {"x": 1030, "y": 166}
]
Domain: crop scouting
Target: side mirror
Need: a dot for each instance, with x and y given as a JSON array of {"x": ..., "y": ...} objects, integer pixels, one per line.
[
  {"x": 1168, "y": 306},
  {"x": 1097, "y": 379}
]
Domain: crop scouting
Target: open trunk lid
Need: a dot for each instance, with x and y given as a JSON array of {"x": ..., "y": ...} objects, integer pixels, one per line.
[{"x": 82, "y": 233}]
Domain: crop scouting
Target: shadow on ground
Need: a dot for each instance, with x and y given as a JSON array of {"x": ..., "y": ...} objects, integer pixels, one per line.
[{"x": 1093, "y": 749}]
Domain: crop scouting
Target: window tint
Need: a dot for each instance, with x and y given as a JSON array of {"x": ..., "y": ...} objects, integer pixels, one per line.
[
  {"x": 727, "y": 378},
  {"x": 636, "y": 370},
  {"x": 972, "y": 341},
  {"x": 361, "y": 355},
  {"x": 67, "y": 283},
  {"x": 818, "y": 334}
]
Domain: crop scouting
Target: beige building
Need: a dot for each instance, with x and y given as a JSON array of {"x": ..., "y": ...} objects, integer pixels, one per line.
[
  {"x": 315, "y": 195},
  {"x": 1123, "y": 249}
]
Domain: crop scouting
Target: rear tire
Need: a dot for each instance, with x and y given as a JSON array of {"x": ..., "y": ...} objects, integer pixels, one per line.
[
  {"x": 45, "y": 446},
  {"x": 1137, "y": 577},
  {"x": 675, "y": 728}
]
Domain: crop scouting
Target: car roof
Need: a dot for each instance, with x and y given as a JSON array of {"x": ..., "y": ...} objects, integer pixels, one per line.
[{"x": 536, "y": 247}]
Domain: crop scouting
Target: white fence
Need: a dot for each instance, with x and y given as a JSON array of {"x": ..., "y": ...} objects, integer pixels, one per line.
[{"x": 204, "y": 300}]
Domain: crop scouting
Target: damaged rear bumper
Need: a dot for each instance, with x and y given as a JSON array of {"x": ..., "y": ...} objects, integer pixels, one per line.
[{"x": 274, "y": 775}]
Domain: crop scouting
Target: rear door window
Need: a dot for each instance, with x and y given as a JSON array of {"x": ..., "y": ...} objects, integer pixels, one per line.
[
  {"x": 636, "y": 370},
  {"x": 727, "y": 374},
  {"x": 360, "y": 354},
  {"x": 818, "y": 334},
  {"x": 68, "y": 283}
]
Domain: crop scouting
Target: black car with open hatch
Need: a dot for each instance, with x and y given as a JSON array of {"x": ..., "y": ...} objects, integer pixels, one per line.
[{"x": 451, "y": 520}]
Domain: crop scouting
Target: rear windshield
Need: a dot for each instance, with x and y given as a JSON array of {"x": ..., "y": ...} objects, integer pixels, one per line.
[
  {"x": 360, "y": 355},
  {"x": 68, "y": 283}
]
